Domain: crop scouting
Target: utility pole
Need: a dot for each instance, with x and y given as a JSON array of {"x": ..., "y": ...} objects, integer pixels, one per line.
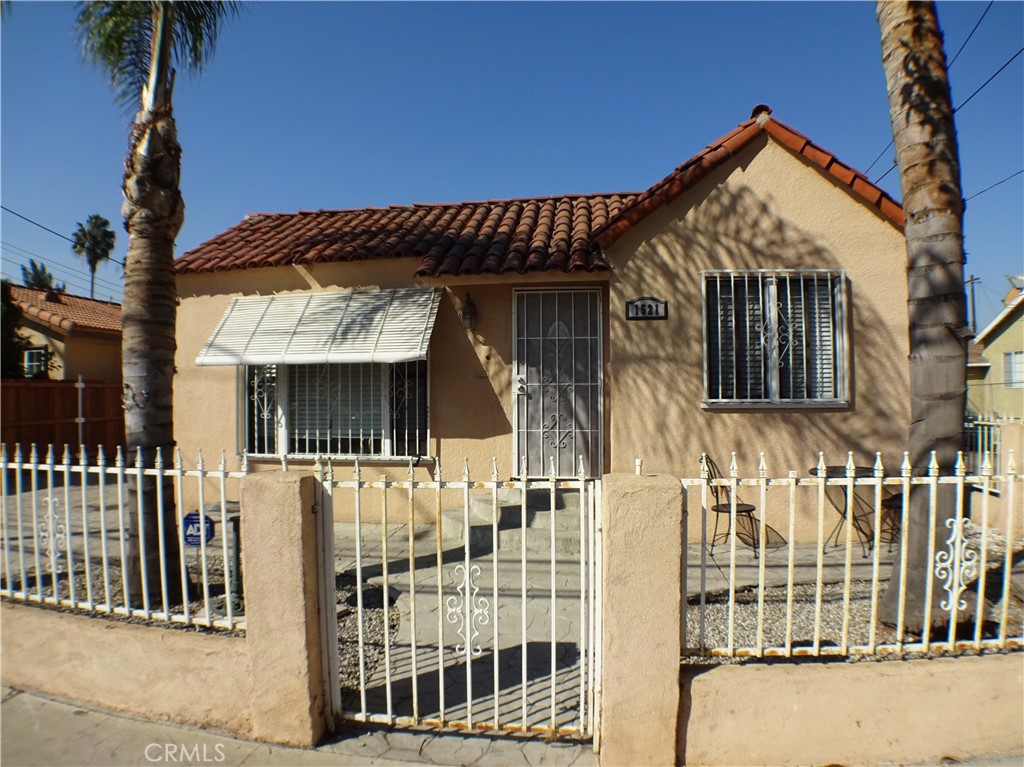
[{"x": 970, "y": 299}]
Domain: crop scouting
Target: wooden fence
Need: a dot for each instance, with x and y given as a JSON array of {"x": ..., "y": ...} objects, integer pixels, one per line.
[{"x": 61, "y": 413}]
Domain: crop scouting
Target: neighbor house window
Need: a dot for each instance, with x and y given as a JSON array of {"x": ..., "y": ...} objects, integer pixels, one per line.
[
  {"x": 364, "y": 409},
  {"x": 35, "y": 362},
  {"x": 774, "y": 338},
  {"x": 1013, "y": 369}
]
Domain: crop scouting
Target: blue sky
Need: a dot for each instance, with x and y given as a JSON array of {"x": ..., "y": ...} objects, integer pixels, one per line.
[{"x": 345, "y": 105}]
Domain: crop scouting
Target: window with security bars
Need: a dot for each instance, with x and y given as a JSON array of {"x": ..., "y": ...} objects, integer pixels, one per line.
[
  {"x": 366, "y": 409},
  {"x": 774, "y": 337}
]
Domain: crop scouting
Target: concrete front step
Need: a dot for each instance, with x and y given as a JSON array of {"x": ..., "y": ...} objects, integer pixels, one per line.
[
  {"x": 510, "y": 503},
  {"x": 510, "y": 532}
]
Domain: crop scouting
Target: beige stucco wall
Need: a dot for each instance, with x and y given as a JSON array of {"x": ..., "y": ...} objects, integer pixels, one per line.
[
  {"x": 470, "y": 378},
  {"x": 200, "y": 679},
  {"x": 97, "y": 359},
  {"x": 990, "y": 396},
  {"x": 852, "y": 713},
  {"x": 266, "y": 685},
  {"x": 764, "y": 210},
  {"x": 94, "y": 357}
]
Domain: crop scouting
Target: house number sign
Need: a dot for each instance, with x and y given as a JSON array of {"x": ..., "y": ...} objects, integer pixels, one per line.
[{"x": 646, "y": 308}]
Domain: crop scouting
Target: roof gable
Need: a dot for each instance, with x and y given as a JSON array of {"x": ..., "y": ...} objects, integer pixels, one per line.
[
  {"x": 1015, "y": 305},
  {"x": 718, "y": 152},
  {"x": 565, "y": 234},
  {"x": 66, "y": 313}
]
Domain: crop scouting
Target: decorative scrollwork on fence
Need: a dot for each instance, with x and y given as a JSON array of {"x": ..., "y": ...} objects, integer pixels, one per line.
[
  {"x": 468, "y": 613},
  {"x": 53, "y": 535},
  {"x": 956, "y": 565}
]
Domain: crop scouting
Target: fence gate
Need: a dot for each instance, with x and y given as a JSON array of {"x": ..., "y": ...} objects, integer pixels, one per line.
[{"x": 463, "y": 604}]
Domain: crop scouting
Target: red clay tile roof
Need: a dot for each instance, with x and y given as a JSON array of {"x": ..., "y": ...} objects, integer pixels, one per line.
[
  {"x": 700, "y": 165},
  {"x": 66, "y": 313},
  {"x": 500, "y": 236},
  {"x": 490, "y": 237}
]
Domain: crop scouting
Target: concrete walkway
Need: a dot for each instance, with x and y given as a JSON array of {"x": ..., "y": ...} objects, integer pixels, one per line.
[
  {"x": 527, "y": 663},
  {"x": 41, "y": 732}
]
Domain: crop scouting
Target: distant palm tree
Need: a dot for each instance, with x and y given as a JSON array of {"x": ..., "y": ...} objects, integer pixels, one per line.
[
  {"x": 94, "y": 241},
  {"x": 921, "y": 112},
  {"x": 137, "y": 43},
  {"x": 39, "y": 277},
  {"x": 12, "y": 343}
]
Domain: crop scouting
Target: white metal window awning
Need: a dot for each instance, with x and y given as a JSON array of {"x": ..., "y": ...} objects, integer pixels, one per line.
[{"x": 311, "y": 328}]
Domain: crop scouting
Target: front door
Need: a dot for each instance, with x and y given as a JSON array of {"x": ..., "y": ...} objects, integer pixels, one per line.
[{"x": 557, "y": 381}]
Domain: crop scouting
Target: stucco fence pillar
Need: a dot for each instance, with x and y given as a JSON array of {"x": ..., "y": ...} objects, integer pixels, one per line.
[
  {"x": 266, "y": 685},
  {"x": 279, "y": 567},
  {"x": 642, "y": 549}
]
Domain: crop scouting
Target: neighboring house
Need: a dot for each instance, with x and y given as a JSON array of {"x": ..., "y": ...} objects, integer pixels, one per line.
[
  {"x": 996, "y": 382},
  {"x": 69, "y": 336},
  {"x": 753, "y": 300}
]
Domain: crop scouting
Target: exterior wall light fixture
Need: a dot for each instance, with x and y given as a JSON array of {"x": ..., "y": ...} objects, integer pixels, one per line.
[{"x": 468, "y": 314}]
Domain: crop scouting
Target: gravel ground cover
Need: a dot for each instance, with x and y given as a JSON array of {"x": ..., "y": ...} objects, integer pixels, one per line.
[
  {"x": 348, "y": 633},
  {"x": 804, "y": 610}
]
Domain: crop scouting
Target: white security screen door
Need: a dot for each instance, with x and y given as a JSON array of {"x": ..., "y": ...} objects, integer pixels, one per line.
[{"x": 557, "y": 381}]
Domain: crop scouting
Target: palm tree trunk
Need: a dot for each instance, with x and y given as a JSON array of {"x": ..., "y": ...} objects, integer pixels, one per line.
[
  {"x": 153, "y": 212},
  {"x": 921, "y": 110}
]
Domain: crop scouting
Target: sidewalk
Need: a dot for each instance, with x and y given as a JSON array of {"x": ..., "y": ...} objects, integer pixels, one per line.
[{"x": 40, "y": 732}]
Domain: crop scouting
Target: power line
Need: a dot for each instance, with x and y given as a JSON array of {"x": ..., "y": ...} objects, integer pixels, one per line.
[
  {"x": 872, "y": 165},
  {"x": 48, "y": 229},
  {"x": 993, "y": 77},
  {"x": 957, "y": 109},
  {"x": 1012, "y": 175},
  {"x": 891, "y": 169},
  {"x": 36, "y": 223},
  {"x": 66, "y": 273},
  {"x": 970, "y": 35},
  {"x": 21, "y": 252},
  {"x": 948, "y": 67}
]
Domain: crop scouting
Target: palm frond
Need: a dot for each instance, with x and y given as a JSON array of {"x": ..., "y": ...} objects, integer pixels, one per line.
[
  {"x": 117, "y": 37},
  {"x": 196, "y": 26}
]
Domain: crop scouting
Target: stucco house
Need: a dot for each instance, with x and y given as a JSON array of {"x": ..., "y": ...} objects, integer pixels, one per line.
[
  {"x": 69, "y": 335},
  {"x": 996, "y": 380},
  {"x": 752, "y": 300}
]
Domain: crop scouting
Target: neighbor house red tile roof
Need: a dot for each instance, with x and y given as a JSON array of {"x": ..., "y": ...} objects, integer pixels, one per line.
[
  {"x": 66, "y": 313},
  {"x": 564, "y": 234}
]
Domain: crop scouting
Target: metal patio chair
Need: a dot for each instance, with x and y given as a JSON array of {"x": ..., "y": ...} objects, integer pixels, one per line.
[{"x": 746, "y": 523}]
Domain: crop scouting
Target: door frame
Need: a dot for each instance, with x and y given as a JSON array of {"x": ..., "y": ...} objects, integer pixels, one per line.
[{"x": 596, "y": 468}]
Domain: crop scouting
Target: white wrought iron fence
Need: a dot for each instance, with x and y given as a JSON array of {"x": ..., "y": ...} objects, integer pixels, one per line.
[
  {"x": 466, "y": 604},
  {"x": 71, "y": 533},
  {"x": 805, "y": 562}
]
